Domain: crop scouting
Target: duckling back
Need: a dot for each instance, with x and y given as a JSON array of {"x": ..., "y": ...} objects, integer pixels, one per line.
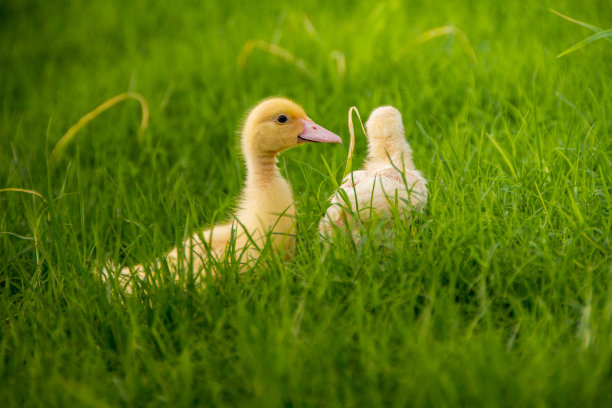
[{"x": 388, "y": 180}]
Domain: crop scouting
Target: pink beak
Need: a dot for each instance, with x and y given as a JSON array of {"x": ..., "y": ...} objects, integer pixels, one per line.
[{"x": 315, "y": 133}]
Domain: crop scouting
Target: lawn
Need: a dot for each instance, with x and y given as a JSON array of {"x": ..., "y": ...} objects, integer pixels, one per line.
[{"x": 498, "y": 294}]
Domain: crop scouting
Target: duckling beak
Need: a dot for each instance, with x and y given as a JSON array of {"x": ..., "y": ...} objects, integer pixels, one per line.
[{"x": 315, "y": 133}]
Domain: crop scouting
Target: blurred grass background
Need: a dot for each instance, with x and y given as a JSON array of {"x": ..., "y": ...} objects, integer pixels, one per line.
[{"x": 499, "y": 294}]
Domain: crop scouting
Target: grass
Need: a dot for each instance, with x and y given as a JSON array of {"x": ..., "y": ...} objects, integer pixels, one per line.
[{"x": 499, "y": 294}]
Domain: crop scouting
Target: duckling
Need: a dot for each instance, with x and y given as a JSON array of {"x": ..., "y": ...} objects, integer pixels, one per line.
[
  {"x": 388, "y": 170},
  {"x": 266, "y": 209}
]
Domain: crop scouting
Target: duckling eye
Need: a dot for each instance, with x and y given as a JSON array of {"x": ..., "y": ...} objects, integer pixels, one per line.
[{"x": 282, "y": 119}]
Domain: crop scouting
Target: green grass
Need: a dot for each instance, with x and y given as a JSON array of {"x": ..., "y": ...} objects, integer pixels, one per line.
[{"x": 499, "y": 294}]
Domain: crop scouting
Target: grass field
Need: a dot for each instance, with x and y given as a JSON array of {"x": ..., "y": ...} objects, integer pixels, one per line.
[{"x": 499, "y": 294}]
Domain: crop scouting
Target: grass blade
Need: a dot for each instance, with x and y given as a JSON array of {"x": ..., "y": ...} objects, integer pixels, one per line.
[
  {"x": 581, "y": 23},
  {"x": 602, "y": 34},
  {"x": 504, "y": 156}
]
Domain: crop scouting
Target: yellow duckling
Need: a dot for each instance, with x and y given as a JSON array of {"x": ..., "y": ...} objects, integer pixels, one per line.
[
  {"x": 266, "y": 208},
  {"x": 388, "y": 170}
]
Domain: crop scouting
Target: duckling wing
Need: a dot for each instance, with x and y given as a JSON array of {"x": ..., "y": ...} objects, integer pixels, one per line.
[
  {"x": 411, "y": 181},
  {"x": 354, "y": 196},
  {"x": 377, "y": 194}
]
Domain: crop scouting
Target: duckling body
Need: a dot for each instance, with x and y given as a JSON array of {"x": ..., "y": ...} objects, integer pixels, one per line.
[
  {"x": 266, "y": 209},
  {"x": 388, "y": 172}
]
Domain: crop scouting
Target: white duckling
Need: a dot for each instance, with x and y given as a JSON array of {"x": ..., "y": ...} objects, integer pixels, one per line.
[
  {"x": 266, "y": 208},
  {"x": 388, "y": 170}
]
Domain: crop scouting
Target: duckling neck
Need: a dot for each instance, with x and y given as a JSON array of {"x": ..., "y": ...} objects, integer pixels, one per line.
[
  {"x": 266, "y": 193},
  {"x": 261, "y": 168}
]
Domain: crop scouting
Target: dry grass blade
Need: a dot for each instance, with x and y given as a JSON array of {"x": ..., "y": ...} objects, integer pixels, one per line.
[
  {"x": 439, "y": 32},
  {"x": 69, "y": 135},
  {"x": 23, "y": 190},
  {"x": 351, "y": 127},
  {"x": 275, "y": 50}
]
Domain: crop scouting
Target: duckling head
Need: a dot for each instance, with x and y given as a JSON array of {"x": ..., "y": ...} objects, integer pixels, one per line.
[
  {"x": 386, "y": 135},
  {"x": 277, "y": 124}
]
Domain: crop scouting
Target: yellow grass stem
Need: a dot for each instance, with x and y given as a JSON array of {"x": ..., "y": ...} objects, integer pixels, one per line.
[
  {"x": 275, "y": 50},
  {"x": 439, "y": 32},
  {"x": 349, "y": 159},
  {"x": 69, "y": 135},
  {"x": 23, "y": 190}
]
